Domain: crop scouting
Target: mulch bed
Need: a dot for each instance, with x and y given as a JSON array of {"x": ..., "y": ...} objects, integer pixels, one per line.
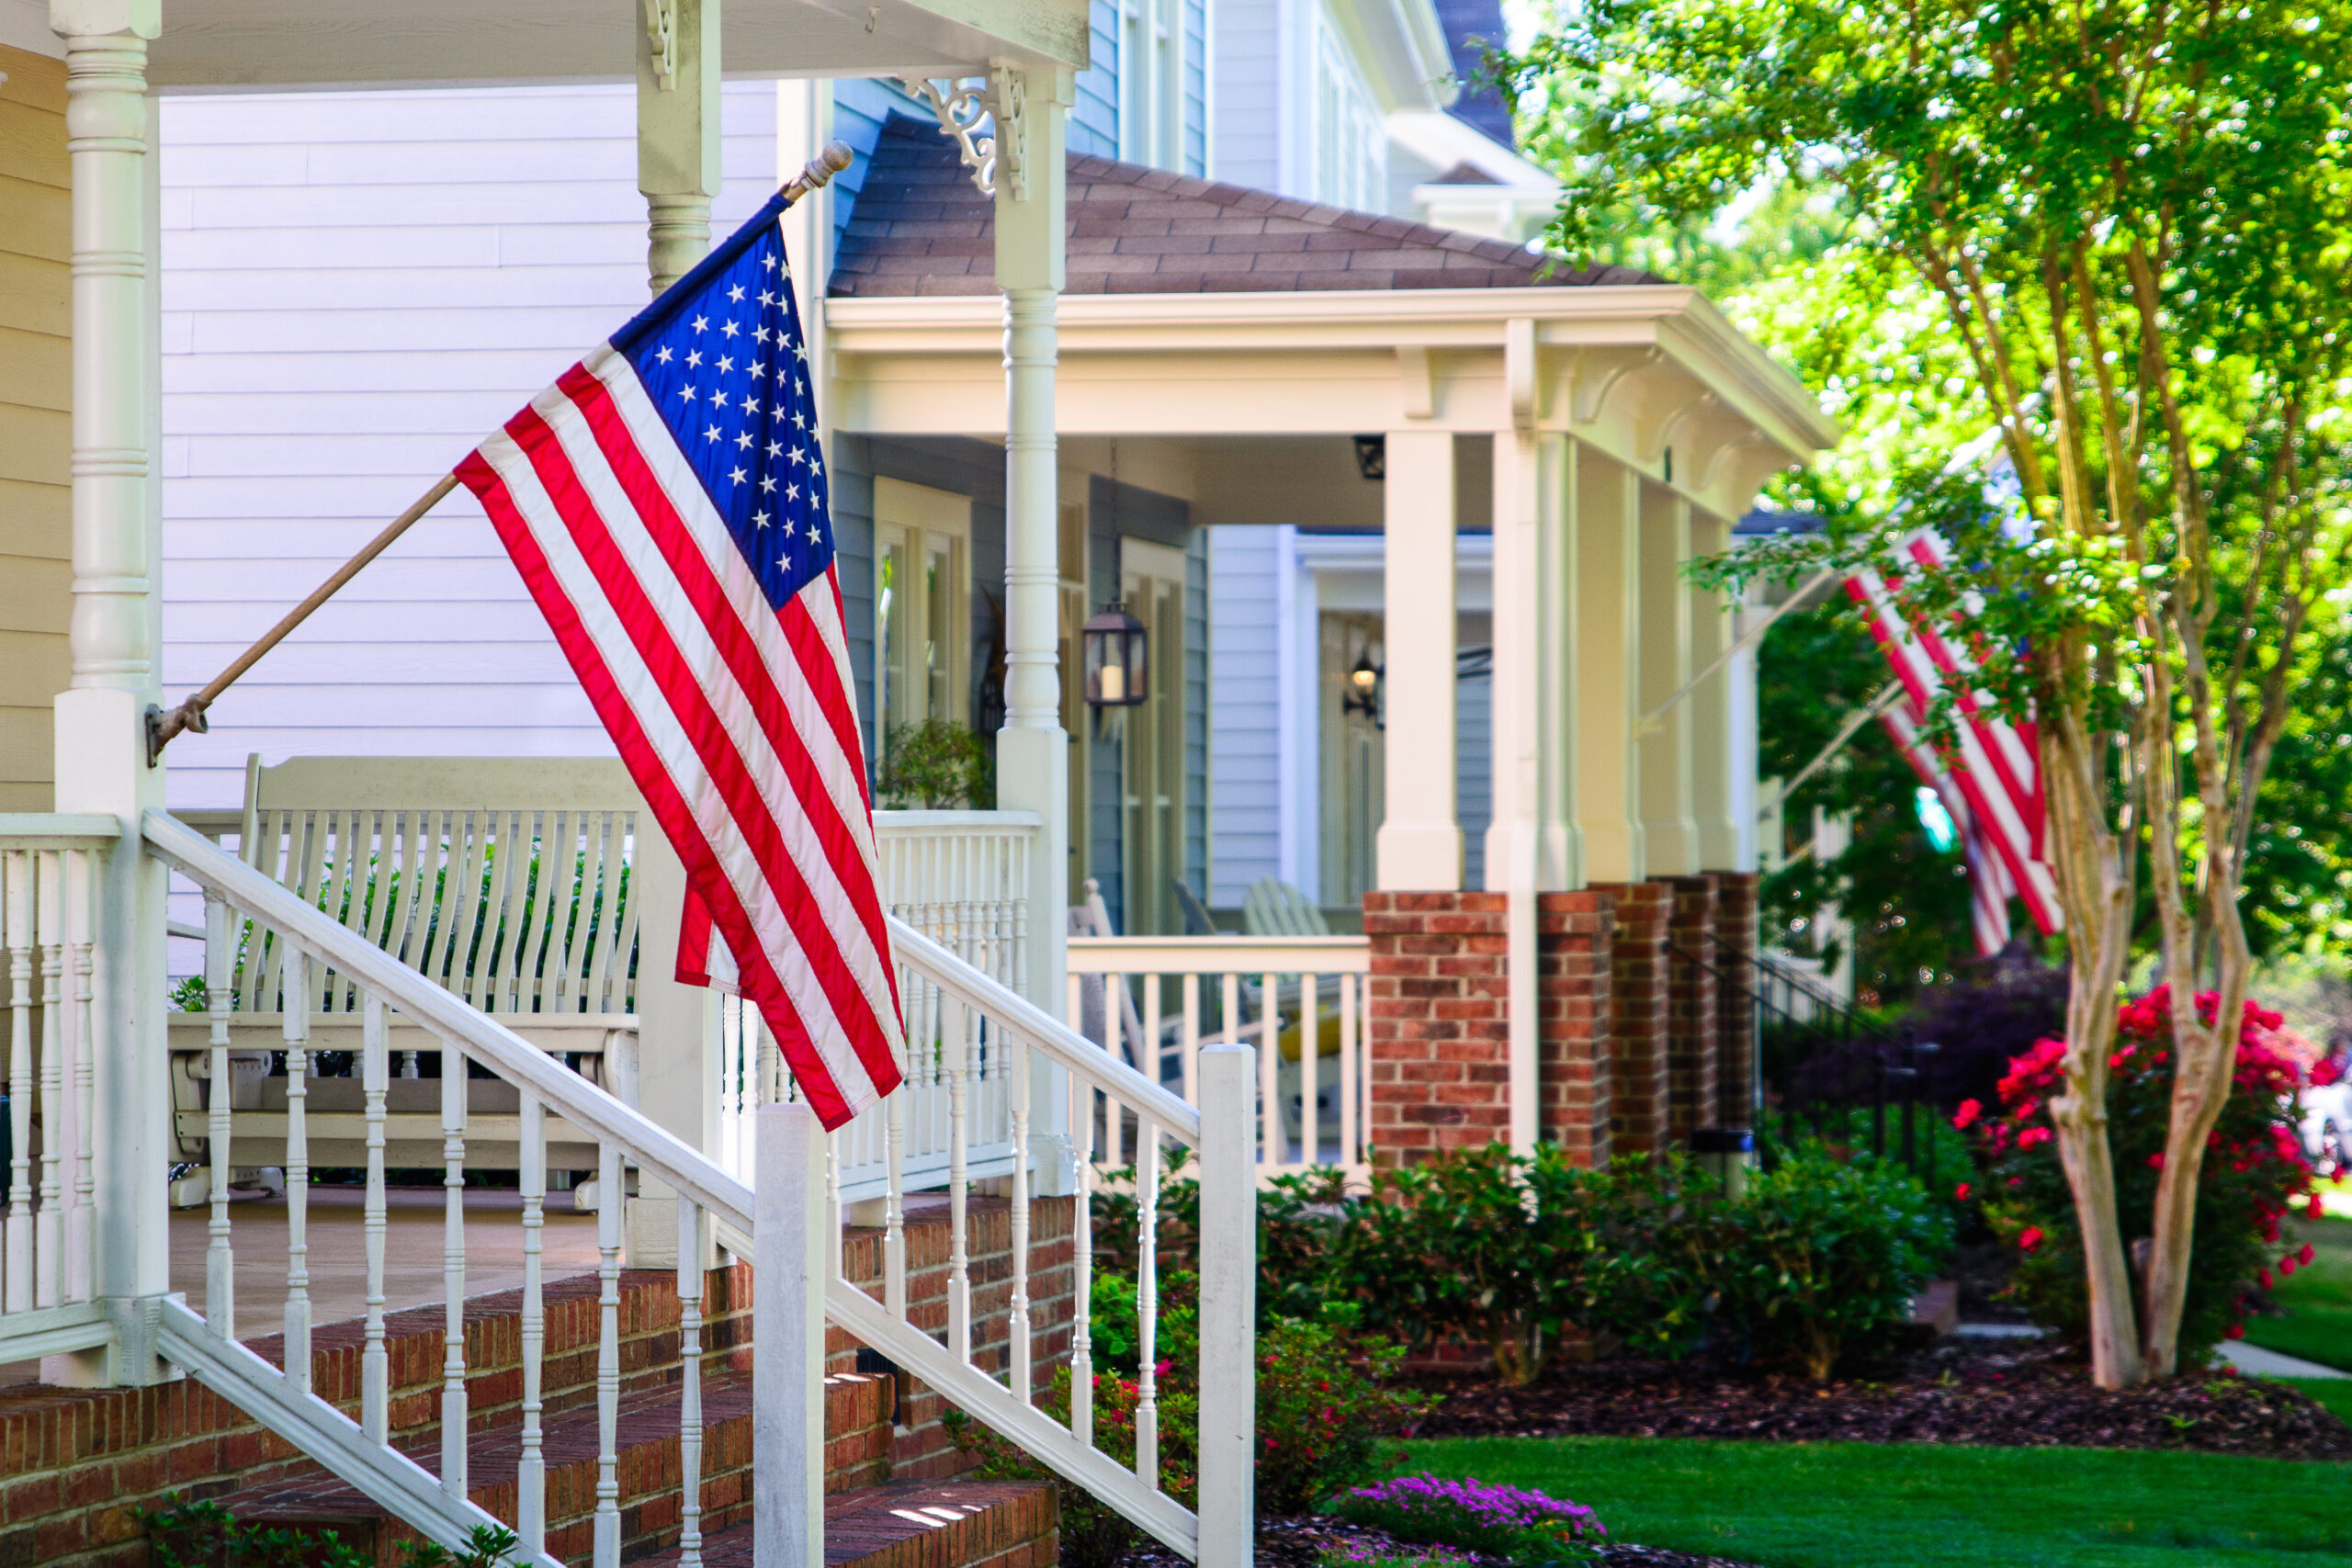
[
  {"x": 1300, "y": 1543},
  {"x": 1954, "y": 1392}
]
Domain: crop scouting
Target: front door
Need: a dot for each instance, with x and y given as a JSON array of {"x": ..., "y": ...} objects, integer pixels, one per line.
[{"x": 1151, "y": 579}]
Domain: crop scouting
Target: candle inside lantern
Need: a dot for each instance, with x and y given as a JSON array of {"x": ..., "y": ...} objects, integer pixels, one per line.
[{"x": 1113, "y": 684}]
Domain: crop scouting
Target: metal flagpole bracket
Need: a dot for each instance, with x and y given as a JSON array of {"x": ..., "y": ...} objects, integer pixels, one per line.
[{"x": 988, "y": 120}]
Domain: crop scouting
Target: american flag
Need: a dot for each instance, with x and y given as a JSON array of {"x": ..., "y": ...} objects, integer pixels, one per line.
[
  {"x": 665, "y": 501},
  {"x": 1990, "y": 779}
]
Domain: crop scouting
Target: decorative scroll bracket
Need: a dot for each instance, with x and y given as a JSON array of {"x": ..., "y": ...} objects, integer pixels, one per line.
[
  {"x": 966, "y": 107},
  {"x": 661, "y": 41}
]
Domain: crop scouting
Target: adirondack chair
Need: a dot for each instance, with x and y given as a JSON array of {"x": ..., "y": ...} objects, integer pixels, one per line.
[
  {"x": 515, "y": 884},
  {"x": 1274, "y": 908}
]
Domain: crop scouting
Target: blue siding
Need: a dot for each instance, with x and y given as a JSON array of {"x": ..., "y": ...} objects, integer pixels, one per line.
[
  {"x": 1196, "y": 712},
  {"x": 1196, "y": 87},
  {"x": 1094, "y": 119}
]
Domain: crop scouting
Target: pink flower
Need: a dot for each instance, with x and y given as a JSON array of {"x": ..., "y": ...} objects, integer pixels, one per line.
[
  {"x": 2235, "y": 1331},
  {"x": 2305, "y": 1254},
  {"x": 2034, "y": 1137},
  {"x": 2156, "y": 1160},
  {"x": 1960, "y": 1193},
  {"x": 2262, "y": 1277},
  {"x": 2286, "y": 1266},
  {"x": 2030, "y": 1238},
  {"x": 1970, "y": 1110},
  {"x": 2316, "y": 1208}
]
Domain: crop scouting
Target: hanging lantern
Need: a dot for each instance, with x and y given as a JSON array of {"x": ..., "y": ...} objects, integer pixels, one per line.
[
  {"x": 1115, "y": 667},
  {"x": 1363, "y": 694}
]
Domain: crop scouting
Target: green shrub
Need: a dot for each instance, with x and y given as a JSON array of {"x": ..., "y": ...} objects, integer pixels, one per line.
[
  {"x": 2253, "y": 1175},
  {"x": 937, "y": 765},
  {"x": 1823, "y": 1256}
]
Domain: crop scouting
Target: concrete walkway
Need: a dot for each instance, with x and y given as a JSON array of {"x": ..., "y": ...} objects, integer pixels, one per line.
[{"x": 2256, "y": 1361}]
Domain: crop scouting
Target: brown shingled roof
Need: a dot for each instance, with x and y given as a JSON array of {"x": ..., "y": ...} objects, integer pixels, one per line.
[{"x": 919, "y": 228}]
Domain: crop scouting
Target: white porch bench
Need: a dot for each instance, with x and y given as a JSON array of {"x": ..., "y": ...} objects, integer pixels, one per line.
[{"x": 515, "y": 884}]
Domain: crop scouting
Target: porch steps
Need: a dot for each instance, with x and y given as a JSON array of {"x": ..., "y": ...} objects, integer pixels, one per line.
[{"x": 917, "y": 1523}]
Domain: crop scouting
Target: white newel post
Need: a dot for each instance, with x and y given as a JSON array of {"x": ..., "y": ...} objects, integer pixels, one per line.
[
  {"x": 1669, "y": 821},
  {"x": 1228, "y": 1407},
  {"x": 678, "y": 1045},
  {"x": 788, "y": 1325},
  {"x": 1419, "y": 843},
  {"x": 101, "y": 717},
  {"x": 677, "y": 134},
  {"x": 1608, "y": 661},
  {"x": 1031, "y": 106}
]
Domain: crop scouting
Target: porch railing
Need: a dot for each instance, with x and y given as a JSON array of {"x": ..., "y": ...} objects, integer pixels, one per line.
[
  {"x": 970, "y": 1004},
  {"x": 48, "y": 924},
  {"x": 1303, "y": 1001}
]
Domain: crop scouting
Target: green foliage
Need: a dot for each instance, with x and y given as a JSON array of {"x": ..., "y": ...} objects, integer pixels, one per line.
[
  {"x": 2253, "y": 1175},
  {"x": 2311, "y": 1309},
  {"x": 937, "y": 765},
  {"x": 185, "y": 1533},
  {"x": 1325, "y": 1419},
  {"x": 1823, "y": 1256}
]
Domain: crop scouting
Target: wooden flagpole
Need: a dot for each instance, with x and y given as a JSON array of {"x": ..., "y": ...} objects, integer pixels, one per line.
[{"x": 162, "y": 724}]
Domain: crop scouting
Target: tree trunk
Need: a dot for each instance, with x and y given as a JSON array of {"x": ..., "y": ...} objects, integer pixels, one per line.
[{"x": 2204, "y": 1068}]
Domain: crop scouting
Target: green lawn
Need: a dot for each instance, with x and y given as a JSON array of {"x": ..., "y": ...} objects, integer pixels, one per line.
[
  {"x": 2318, "y": 1299},
  {"x": 2333, "y": 1392},
  {"x": 1916, "y": 1505}
]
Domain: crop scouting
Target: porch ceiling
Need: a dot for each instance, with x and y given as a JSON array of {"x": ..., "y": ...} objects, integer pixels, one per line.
[{"x": 233, "y": 45}]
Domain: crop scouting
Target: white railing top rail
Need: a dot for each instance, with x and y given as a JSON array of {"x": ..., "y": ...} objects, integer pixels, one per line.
[
  {"x": 663, "y": 1154},
  {"x": 1065, "y": 1046},
  {"x": 886, "y": 819},
  {"x": 1220, "y": 956},
  {"x": 55, "y": 830}
]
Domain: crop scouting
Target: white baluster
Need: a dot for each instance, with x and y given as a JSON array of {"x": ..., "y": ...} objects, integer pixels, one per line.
[
  {"x": 220, "y": 1260},
  {"x": 296, "y": 1003},
  {"x": 1024, "y": 1386},
  {"x": 19, "y": 1275},
  {"x": 453, "y": 1271},
  {"x": 1082, "y": 1351},
  {"x": 81, "y": 1244},
  {"x": 959, "y": 1274},
  {"x": 610, "y": 1174},
  {"x": 832, "y": 1206},
  {"x": 1310, "y": 1066},
  {"x": 49, "y": 1224},
  {"x": 894, "y": 1197},
  {"x": 1189, "y": 1051},
  {"x": 690, "y": 1281},
  {"x": 530, "y": 1471},
  {"x": 1350, "y": 1045},
  {"x": 1270, "y": 1056},
  {"x": 375, "y": 1363},
  {"x": 1147, "y": 1302}
]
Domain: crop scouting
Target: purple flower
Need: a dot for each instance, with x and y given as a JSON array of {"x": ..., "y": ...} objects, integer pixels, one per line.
[{"x": 1479, "y": 1505}]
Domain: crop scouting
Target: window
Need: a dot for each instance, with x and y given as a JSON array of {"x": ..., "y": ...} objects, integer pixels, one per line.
[
  {"x": 922, "y": 608},
  {"x": 1151, "y": 82},
  {"x": 1351, "y": 142}
]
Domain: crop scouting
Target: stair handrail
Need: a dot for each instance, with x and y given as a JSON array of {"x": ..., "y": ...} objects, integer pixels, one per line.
[{"x": 650, "y": 1146}]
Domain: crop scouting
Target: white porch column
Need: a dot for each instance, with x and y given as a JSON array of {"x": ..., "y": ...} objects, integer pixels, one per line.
[
  {"x": 1420, "y": 839},
  {"x": 1670, "y": 824},
  {"x": 1033, "y": 749},
  {"x": 1712, "y": 791},
  {"x": 677, "y": 137},
  {"x": 112, "y": 634},
  {"x": 1607, "y": 663}
]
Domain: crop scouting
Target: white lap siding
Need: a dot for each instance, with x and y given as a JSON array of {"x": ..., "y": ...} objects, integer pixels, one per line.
[{"x": 357, "y": 287}]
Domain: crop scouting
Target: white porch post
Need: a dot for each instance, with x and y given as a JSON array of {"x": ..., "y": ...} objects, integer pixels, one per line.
[
  {"x": 1607, "y": 661},
  {"x": 112, "y": 634},
  {"x": 677, "y": 137},
  {"x": 1713, "y": 793},
  {"x": 1669, "y": 823},
  {"x": 1420, "y": 839},
  {"x": 1033, "y": 749}
]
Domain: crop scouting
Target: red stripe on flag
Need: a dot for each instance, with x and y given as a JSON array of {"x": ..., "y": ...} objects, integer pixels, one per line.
[
  {"x": 644, "y": 763},
  {"x": 819, "y": 943}
]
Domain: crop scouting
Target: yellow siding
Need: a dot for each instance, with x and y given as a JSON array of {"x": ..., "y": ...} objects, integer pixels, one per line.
[{"x": 34, "y": 387}]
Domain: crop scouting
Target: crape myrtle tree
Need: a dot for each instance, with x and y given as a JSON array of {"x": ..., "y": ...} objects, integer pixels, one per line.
[{"x": 2117, "y": 233}]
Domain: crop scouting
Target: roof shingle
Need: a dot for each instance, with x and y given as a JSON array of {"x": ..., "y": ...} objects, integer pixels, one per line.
[{"x": 919, "y": 228}]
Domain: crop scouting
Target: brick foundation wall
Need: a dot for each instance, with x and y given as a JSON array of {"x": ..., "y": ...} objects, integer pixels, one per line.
[
  {"x": 1574, "y": 934},
  {"x": 1735, "y": 940},
  {"x": 1691, "y": 1043},
  {"x": 1637, "y": 1017},
  {"x": 1439, "y": 1033}
]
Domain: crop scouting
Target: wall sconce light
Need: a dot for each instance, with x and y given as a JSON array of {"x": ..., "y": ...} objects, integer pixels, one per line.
[
  {"x": 1372, "y": 457},
  {"x": 1113, "y": 645},
  {"x": 1363, "y": 694}
]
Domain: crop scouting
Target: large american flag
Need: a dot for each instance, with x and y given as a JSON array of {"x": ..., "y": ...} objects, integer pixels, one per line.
[
  {"x": 665, "y": 501},
  {"x": 1989, "y": 777}
]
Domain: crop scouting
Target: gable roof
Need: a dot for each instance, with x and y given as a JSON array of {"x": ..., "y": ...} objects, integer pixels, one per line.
[
  {"x": 1471, "y": 27},
  {"x": 921, "y": 228}
]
